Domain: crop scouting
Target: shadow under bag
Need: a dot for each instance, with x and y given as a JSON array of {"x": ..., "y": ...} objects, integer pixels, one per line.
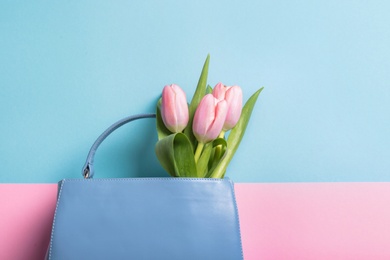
[{"x": 144, "y": 218}]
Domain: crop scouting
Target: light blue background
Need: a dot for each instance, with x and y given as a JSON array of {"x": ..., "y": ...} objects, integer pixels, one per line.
[{"x": 69, "y": 69}]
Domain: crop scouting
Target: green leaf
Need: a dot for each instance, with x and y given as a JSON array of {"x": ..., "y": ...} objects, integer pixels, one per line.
[
  {"x": 220, "y": 141},
  {"x": 184, "y": 157},
  {"x": 209, "y": 89},
  {"x": 196, "y": 98},
  {"x": 235, "y": 136},
  {"x": 219, "y": 151},
  {"x": 162, "y": 130},
  {"x": 202, "y": 165},
  {"x": 175, "y": 155}
]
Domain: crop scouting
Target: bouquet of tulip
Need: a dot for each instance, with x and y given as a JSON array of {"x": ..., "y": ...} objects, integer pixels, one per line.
[{"x": 200, "y": 139}]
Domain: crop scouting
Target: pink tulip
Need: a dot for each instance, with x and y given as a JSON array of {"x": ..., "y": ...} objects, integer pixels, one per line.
[
  {"x": 233, "y": 97},
  {"x": 209, "y": 118},
  {"x": 174, "y": 108}
]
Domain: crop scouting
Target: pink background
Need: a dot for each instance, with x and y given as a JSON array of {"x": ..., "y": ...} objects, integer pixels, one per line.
[{"x": 278, "y": 220}]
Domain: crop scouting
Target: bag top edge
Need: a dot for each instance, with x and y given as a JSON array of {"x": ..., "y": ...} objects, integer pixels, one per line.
[{"x": 149, "y": 179}]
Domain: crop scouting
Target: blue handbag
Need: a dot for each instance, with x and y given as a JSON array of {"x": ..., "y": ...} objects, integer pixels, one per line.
[{"x": 144, "y": 218}]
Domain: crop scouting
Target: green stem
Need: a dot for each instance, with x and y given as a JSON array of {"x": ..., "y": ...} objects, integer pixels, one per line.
[
  {"x": 198, "y": 152},
  {"x": 218, "y": 149}
]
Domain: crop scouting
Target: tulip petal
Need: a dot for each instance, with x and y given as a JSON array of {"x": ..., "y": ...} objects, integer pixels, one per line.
[
  {"x": 233, "y": 98},
  {"x": 219, "y": 91},
  {"x": 209, "y": 118},
  {"x": 174, "y": 108},
  {"x": 203, "y": 118},
  {"x": 219, "y": 119}
]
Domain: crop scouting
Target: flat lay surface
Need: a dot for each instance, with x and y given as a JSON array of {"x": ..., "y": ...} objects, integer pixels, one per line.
[
  {"x": 312, "y": 172},
  {"x": 278, "y": 221}
]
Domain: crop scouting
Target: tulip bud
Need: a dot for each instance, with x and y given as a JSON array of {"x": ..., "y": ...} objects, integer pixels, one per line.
[
  {"x": 174, "y": 108},
  {"x": 209, "y": 118},
  {"x": 233, "y": 97}
]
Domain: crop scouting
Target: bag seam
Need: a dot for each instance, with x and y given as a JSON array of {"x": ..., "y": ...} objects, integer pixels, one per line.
[
  {"x": 237, "y": 217},
  {"x": 54, "y": 218}
]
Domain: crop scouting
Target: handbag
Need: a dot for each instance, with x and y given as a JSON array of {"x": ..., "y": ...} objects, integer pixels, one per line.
[{"x": 144, "y": 218}]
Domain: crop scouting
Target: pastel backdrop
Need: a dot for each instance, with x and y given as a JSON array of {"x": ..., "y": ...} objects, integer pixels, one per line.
[
  {"x": 69, "y": 69},
  {"x": 312, "y": 173}
]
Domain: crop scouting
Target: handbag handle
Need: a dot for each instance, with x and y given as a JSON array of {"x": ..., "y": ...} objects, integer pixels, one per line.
[{"x": 88, "y": 171}]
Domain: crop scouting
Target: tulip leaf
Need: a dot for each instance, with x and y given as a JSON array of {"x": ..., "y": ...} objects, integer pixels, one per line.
[
  {"x": 196, "y": 98},
  {"x": 220, "y": 145},
  {"x": 235, "y": 136},
  {"x": 209, "y": 89},
  {"x": 175, "y": 155},
  {"x": 184, "y": 157},
  {"x": 220, "y": 141},
  {"x": 162, "y": 130},
  {"x": 219, "y": 151},
  {"x": 202, "y": 165}
]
